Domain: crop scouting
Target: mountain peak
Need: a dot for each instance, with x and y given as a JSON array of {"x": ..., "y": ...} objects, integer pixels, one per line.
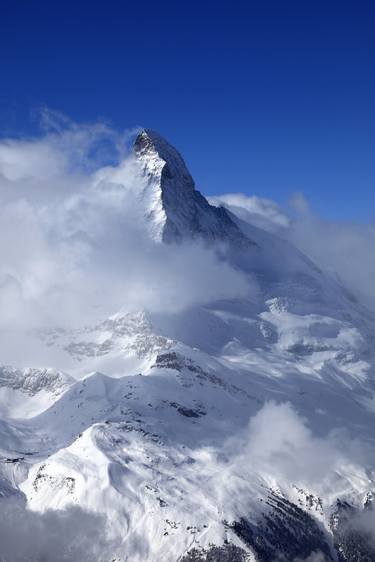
[
  {"x": 176, "y": 209},
  {"x": 149, "y": 144}
]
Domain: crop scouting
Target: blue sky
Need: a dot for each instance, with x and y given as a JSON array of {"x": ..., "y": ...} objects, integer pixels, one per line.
[{"x": 267, "y": 98}]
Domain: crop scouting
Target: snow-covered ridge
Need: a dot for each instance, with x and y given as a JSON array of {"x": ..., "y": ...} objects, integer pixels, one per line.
[
  {"x": 124, "y": 342},
  {"x": 34, "y": 380},
  {"x": 26, "y": 392}
]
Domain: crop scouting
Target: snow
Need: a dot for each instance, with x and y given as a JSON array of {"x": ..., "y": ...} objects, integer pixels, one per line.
[
  {"x": 153, "y": 430},
  {"x": 175, "y": 209}
]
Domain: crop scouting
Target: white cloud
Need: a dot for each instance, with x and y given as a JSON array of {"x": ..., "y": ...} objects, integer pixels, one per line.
[
  {"x": 346, "y": 250},
  {"x": 74, "y": 242},
  {"x": 314, "y": 557},
  {"x": 279, "y": 437},
  {"x": 261, "y": 212},
  {"x": 67, "y": 535},
  {"x": 283, "y": 448}
]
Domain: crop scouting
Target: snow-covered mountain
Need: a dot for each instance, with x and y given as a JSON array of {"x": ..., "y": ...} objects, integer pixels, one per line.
[
  {"x": 176, "y": 209},
  {"x": 237, "y": 430}
]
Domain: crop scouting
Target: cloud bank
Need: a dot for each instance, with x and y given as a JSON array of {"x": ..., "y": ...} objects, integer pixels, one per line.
[
  {"x": 346, "y": 250},
  {"x": 280, "y": 443},
  {"x": 74, "y": 240},
  {"x": 70, "y": 535}
]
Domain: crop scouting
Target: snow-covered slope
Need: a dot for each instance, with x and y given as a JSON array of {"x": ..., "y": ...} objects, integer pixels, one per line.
[
  {"x": 239, "y": 430},
  {"x": 25, "y": 392}
]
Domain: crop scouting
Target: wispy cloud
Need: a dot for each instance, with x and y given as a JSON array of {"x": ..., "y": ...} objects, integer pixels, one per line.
[
  {"x": 74, "y": 240},
  {"x": 346, "y": 250},
  {"x": 69, "y": 535}
]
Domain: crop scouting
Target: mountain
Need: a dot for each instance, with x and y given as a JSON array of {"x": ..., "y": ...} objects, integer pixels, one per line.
[
  {"x": 177, "y": 210},
  {"x": 236, "y": 430}
]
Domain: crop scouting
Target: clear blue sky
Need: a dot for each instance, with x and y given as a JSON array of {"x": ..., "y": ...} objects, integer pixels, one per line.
[{"x": 266, "y": 97}]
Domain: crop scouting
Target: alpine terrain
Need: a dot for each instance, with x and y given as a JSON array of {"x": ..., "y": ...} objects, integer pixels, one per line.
[{"x": 236, "y": 430}]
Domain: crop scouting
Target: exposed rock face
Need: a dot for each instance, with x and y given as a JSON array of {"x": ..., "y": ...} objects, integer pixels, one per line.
[
  {"x": 225, "y": 553},
  {"x": 32, "y": 381},
  {"x": 284, "y": 533},
  {"x": 353, "y": 537},
  {"x": 177, "y": 209}
]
